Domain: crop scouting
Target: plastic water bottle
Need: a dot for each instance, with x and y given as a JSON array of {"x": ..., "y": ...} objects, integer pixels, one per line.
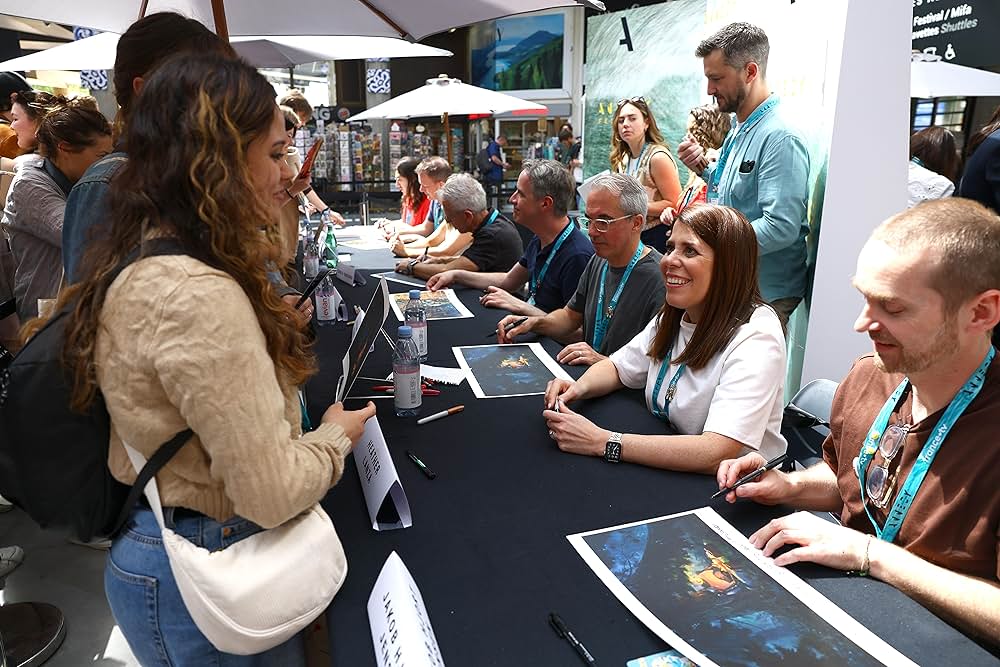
[
  {"x": 415, "y": 317},
  {"x": 310, "y": 259},
  {"x": 331, "y": 241},
  {"x": 406, "y": 374},
  {"x": 326, "y": 302}
]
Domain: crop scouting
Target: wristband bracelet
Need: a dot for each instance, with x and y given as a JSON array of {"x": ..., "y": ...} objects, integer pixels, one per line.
[
  {"x": 866, "y": 563},
  {"x": 289, "y": 193}
]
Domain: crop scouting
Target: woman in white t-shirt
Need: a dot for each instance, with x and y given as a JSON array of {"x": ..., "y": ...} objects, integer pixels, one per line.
[{"x": 721, "y": 389}]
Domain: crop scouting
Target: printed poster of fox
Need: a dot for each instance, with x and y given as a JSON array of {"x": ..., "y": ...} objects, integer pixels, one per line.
[{"x": 717, "y": 600}]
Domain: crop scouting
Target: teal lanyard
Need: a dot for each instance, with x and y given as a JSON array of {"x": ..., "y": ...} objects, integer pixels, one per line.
[
  {"x": 730, "y": 141},
  {"x": 603, "y": 314},
  {"x": 909, "y": 489},
  {"x": 537, "y": 280},
  {"x": 306, "y": 424},
  {"x": 632, "y": 169},
  {"x": 917, "y": 161},
  {"x": 664, "y": 414},
  {"x": 437, "y": 211},
  {"x": 493, "y": 218}
]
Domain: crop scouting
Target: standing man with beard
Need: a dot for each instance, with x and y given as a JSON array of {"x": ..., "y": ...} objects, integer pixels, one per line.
[
  {"x": 763, "y": 166},
  {"x": 911, "y": 464}
]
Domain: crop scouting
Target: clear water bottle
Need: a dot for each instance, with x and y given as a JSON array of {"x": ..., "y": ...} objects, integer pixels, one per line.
[
  {"x": 310, "y": 260},
  {"x": 406, "y": 374},
  {"x": 415, "y": 317},
  {"x": 332, "y": 258},
  {"x": 326, "y": 302}
]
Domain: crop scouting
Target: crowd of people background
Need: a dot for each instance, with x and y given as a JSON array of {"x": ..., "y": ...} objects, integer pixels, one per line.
[{"x": 689, "y": 305}]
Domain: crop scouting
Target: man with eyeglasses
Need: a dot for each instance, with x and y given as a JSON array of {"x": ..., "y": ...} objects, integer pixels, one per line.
[
  {"x": 555, "y": 257},
  {"x": 620, "y": 290},
  {"x": 912, "y": 463},
  {"x": 763, "y": 166}
]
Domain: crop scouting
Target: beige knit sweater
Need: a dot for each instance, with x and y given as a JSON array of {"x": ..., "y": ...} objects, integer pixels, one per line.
[{"x": 180, "y": 346}]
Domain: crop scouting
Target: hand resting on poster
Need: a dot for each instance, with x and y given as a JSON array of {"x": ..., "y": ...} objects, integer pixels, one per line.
[
  {"x": 971, "y": 603},
  {"x": 352, "y": 421},
  {"x": 564, "y": 325}
]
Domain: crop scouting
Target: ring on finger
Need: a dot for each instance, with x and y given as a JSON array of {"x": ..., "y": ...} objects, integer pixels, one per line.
[{"x": 552, "y": 434}]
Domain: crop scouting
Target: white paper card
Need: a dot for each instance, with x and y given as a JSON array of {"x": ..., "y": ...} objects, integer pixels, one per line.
[
  {"x": 345, "y": 273},
  {"x": 401, "y": 630},
  {"x": 452, "y": 376},
  {"x": 379, "y": 480},
  {"x": 400, "y": 278},
  {"x": 584, "y": 188}
]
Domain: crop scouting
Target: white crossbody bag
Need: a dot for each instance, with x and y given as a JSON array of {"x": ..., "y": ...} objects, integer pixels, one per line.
[{"x": 262, "y": 590}]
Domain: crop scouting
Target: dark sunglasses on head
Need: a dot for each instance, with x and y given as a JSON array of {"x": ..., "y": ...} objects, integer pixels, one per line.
[{"x": 633, "y": 100}]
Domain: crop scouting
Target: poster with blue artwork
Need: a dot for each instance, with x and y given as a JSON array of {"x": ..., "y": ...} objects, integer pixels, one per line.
[
  {"x": 501, "y": 371},
  {"x": 519, "y": 52},
  {"x": 698, "y": 584}
]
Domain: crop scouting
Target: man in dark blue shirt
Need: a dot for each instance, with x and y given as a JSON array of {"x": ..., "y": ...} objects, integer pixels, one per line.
[
  {"x": 555, "y": 257},
  {"x": 494, "y": 175}
]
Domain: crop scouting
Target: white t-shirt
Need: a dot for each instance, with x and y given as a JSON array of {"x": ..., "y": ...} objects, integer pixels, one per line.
[
  {"x": 739, "y": 394},
  {"x": 925, "y": 185}
]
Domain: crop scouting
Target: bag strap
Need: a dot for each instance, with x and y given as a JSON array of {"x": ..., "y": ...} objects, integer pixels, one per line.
[{"x": 146, "y": 480}]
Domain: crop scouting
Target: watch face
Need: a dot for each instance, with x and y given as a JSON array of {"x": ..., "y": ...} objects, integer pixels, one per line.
[{"x": 613, "y": 452}]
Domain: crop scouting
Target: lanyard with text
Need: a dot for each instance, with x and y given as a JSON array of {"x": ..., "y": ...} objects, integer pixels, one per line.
[
  {"x": 727, "y": 146},
  {"x": 537, "y": 280},
  {"x": 603, "y": 314},
  {"x": 632, "y": 169},
  {"x": 909, "y": 489},
  {"x": 664, "y": 414}
]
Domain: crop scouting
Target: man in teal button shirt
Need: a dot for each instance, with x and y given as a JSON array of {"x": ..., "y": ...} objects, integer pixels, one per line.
[{"x": 763, "y": 167}]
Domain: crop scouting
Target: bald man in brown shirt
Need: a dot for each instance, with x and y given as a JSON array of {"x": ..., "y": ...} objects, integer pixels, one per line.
[{"x": 928, "y": 398}]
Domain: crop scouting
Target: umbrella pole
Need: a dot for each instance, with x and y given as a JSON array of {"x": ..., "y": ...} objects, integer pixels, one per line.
[
  {"x": 447, "y": 134},
  {"x": 219, "y": 15}
]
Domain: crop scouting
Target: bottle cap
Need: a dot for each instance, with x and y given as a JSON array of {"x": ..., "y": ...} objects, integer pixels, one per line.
[
  {"x": 405, "y": 332},
  {"x": 415, "y": 294}
]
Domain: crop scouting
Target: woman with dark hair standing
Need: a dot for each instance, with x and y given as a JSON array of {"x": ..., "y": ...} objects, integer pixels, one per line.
[
  {"x": 71, "y": 135},
  {"x": 981, "y": 180},
  {"x": 934, "y": 165},
  {"x": 639, "y": 149},
  {"x": 200, "y": 341},
  {"x": 712, "y": 362}
]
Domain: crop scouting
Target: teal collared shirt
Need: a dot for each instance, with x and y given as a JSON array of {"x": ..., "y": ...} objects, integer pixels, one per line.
[{"x": 766, "y": 177}]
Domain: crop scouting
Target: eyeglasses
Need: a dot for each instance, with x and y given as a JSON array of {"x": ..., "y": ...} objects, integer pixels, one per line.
[
  {"x": 633, "y": 100},
  {"x": 878, "y": 483},
  {"x": 600, "y": 224}
]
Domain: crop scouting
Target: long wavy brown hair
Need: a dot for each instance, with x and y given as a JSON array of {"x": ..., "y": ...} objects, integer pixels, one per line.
[
  {"x": 732, "y": 295},
  {"x": 619, "y": 147},
  {"x": 187, "y": 178}
]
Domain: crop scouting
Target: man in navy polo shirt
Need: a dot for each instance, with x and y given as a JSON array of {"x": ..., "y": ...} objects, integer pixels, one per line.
[{"x": 554, "y": 260}]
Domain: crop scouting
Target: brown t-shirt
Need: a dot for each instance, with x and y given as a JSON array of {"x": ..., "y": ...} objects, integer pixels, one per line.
[{"x": 954, "y": 520}]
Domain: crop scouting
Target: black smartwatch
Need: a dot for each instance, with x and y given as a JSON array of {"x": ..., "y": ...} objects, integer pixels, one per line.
[{"x": 613, "y": 448}]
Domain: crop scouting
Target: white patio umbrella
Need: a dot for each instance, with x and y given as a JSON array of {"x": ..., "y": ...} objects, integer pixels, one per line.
[
  {"x": 941, "y": 79},
  {"x": 409, "y": 19},
  {"x": 98, "y": 52},
  {"x": 446, "y": 97}
]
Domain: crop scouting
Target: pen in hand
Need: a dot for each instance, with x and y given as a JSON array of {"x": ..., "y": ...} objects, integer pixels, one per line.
[
  {"x": 508, "y": 328},
  {"x": 752, "y": 476}
]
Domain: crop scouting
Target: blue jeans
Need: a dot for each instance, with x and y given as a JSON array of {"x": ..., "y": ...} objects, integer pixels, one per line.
[{"x": 147, "y": 604}]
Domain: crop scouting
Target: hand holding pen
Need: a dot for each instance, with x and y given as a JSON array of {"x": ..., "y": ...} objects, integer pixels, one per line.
[
  {"x": 752, "y": 476},
  {"x": 511, "y": 327}
]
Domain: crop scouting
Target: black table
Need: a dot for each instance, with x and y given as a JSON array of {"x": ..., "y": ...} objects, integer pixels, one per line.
[{"x": 488, "y": 549}]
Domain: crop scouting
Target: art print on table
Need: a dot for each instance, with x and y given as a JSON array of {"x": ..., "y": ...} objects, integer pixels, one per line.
[
  {"x": 442, "y": 304},
  {"x": 500, "y": 371},
  {"x": 697, "y": 582}
]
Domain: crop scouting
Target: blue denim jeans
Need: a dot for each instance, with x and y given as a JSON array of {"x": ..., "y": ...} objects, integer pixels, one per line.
[{"x": 147, "y": 604}]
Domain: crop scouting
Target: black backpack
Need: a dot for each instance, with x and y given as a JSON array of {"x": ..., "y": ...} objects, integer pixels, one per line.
[
  {"x": 53, "y": 461},
  {"x": 483, "y": 161}
]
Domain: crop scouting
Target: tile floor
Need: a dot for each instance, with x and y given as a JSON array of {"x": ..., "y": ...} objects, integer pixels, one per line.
[{"x": 72, "y": 578}]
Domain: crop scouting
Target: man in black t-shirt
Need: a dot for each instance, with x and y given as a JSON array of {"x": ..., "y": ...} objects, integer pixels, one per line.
[{"x": 496, "y": 244}]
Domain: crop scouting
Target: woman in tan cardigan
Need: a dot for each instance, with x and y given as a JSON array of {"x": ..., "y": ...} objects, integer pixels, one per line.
[{"x": 200, "y": 341}]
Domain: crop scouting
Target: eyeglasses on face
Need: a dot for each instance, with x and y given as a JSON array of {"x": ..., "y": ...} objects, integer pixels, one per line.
[{"x": 600, "y": 224}]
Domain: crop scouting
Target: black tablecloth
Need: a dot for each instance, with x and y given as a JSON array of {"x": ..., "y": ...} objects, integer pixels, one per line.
[{"x": 488, "y": 548}]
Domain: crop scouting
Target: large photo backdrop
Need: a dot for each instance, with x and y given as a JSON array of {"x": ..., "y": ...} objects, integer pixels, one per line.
[{"x": 649, "y": 52}]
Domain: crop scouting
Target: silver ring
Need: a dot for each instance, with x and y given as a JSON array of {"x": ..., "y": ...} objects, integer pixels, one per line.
[{"x": 552, "y": 435}]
